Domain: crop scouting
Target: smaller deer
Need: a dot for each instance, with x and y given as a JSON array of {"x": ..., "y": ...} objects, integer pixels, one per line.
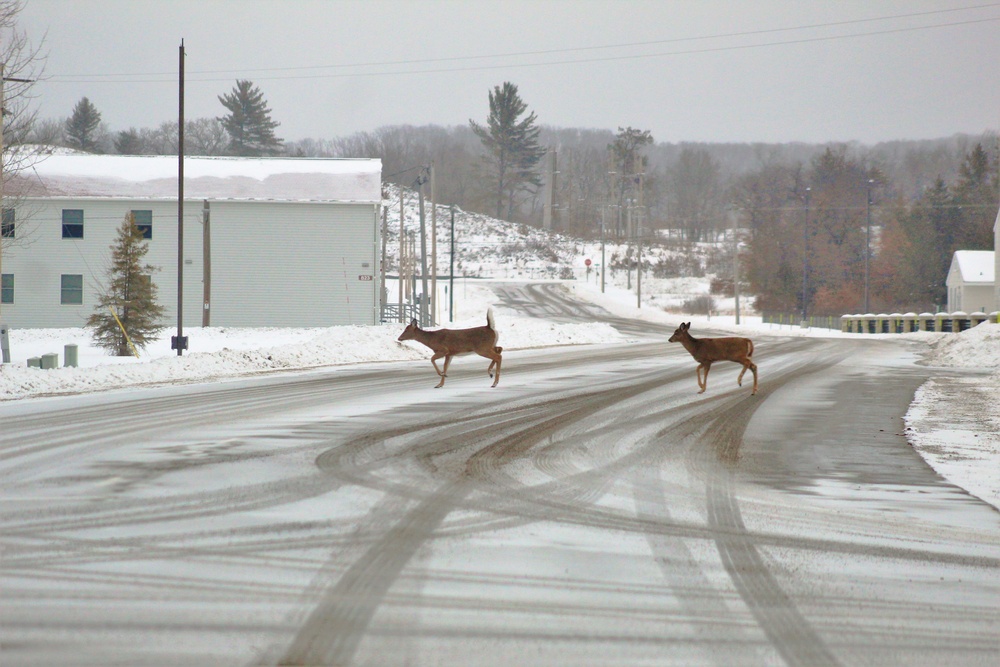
[
  {"x": 449, "y": 342},
  {"x": 707, "y": 350}
]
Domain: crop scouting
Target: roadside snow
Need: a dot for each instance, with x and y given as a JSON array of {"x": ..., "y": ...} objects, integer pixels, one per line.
[
  {"x": 954, "y": 421},
  {"x": 218, "y": 353}
]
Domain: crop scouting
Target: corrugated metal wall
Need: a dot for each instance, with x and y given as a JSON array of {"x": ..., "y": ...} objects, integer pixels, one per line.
[{"x": 294, "y": 264}]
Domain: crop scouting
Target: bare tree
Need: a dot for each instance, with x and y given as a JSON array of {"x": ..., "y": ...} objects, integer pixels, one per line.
[
  {"x": 696, "y": 193},
  {"x": 21, "y": 65},
  {"x": 206, "y": 136}
]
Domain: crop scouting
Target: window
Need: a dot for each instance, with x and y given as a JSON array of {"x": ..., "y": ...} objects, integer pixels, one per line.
[
  {"x": 72, "y": 223},
  {"x": 7, "y": 227},
  {"x": 144, "y": 221},
  {"x": 7, "y": 288},
  {"x": 72, "y": 289}
]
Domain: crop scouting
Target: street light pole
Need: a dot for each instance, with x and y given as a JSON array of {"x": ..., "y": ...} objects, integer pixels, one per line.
[
  {"x": 451, "y": 270},
  {"x": 805, "y": 262},
  {"x": 602, "y": 249},
  {"x": 736, "y": 268},
  {"x": 868, "y": 240}
]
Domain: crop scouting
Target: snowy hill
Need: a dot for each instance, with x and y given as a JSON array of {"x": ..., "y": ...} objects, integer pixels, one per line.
[{"x": 675, "y": 273}]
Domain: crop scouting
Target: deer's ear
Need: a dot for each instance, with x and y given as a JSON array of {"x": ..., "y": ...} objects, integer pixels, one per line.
[
  {"x": 685, "y": 325},
  {"x": 413, "y": 322}
]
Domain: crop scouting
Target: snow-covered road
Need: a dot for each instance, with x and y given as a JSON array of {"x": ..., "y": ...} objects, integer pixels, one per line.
[{"x": 592, "y": 509}]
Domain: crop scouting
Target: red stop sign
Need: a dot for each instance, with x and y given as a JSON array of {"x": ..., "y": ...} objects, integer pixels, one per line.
[{"x": 586, "y": 262}]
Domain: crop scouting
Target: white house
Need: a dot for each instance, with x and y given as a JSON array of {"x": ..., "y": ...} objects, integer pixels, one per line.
[
  {"x": 266, "y": 241},
  {"x": 971, "y": 283},
  {"x": 996, "y": 260}
]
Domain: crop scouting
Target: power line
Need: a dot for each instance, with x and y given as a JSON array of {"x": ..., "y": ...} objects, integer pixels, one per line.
[{"x": 80, "y": 78}]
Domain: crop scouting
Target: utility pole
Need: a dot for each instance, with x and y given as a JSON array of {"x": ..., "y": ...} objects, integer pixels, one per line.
[
  {"x": 206, "y": 263},
  {"x": 868, "y": 240},
  {"x": 383, "y": 294},
  {"x": 638, "y": 271},
  {"x": 419, "y": 184},
  {"x": 628, "y": 241},
  {"x": 435, "y": 315},
  {"x": 451, "y": 270},
  {"x": 179, "y": 342},
  {"x": 736, "y": 267},
  {"x": 402, "y": 253},
  {"x": 603, "y": 209},
  {"x": 805, "y": 261}
]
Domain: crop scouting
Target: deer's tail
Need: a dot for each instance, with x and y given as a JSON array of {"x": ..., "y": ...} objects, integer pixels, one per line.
[
  {"x": 749, "y": 348},
  {"x": 489, "y": 319}
]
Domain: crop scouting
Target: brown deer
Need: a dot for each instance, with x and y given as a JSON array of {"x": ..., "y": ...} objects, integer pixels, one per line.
[
  {"x": 707, "y": 350},
  {"x": 449, "y": 342}
]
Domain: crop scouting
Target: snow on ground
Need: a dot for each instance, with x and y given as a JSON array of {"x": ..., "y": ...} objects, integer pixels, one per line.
[
  {"x": 217, "y": 353},
  {"x": 953, "y": 422}
]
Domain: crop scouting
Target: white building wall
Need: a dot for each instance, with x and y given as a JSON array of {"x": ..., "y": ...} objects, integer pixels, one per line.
[
  {"x": 273, "y": 263},
  {"x": 976, "y": 298},
  {"x": 294, "y": 264},
  {"x": 996, "y": 261},
  {"x": 39, "y": 256}
]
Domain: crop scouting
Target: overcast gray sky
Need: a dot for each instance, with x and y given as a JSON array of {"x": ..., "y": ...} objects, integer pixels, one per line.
[{"x": 711, "y": 70}]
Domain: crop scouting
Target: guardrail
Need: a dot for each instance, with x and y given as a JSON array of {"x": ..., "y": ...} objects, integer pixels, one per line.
[
  {"x": 910, "y": 322},
  {"x": 817, "y": 321}
]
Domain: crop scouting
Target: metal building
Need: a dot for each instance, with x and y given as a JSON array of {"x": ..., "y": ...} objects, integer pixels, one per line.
[{"x": 267, "y": 241}]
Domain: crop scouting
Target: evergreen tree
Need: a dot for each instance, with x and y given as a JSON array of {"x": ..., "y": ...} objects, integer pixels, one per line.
[
  {"x": 976, "y": 195},
  {"x": 249, "y": 124},
  {"x": 512, "y": 149},
  {"x": 129, "y": 142},
  {"x": 130, "y": 293},
  {"x": 82, "y": 126},
  {"x": 629, "y": 166}
]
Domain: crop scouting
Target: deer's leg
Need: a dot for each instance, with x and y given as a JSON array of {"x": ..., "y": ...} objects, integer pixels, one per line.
[
  {"x": 703, "y": 380},
  {"x": 753, "y": 367},
  {"x": 438, "y": 355},
  {"x": 739, "y": 380},
  {"x": 443, "y": 373},
  {"x": 495, "y": 359}
]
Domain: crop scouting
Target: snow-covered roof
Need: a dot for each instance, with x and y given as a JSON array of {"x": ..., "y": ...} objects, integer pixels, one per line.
[
  {"x": 975, "y": 266},
  {"x": 155, "y": 177}
]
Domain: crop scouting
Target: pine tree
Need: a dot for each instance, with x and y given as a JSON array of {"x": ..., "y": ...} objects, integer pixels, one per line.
[
  {"x": 82, "y": 126},
  {"x": 512, "y": 150},
  {"x": 975, "y": 193},
  {"x": 129, "y": 142},
  {"x": 131, "y": 293},
  {"x": 629, "y": 165},
  {"x": 249, "y": 124}
]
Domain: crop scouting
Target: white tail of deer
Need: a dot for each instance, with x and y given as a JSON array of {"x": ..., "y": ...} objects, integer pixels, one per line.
[
  {"x": 707, "y": 350},
  {"x": 450, "y": 342}
]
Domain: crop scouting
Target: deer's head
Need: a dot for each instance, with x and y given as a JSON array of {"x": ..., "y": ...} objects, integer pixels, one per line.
[
  {"x": 680, "y": 332},
  {"x": 410, "y": 332}
]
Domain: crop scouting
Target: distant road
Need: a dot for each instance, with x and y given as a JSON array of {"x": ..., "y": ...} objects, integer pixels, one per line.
[{"x": 591, "y": 510}]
